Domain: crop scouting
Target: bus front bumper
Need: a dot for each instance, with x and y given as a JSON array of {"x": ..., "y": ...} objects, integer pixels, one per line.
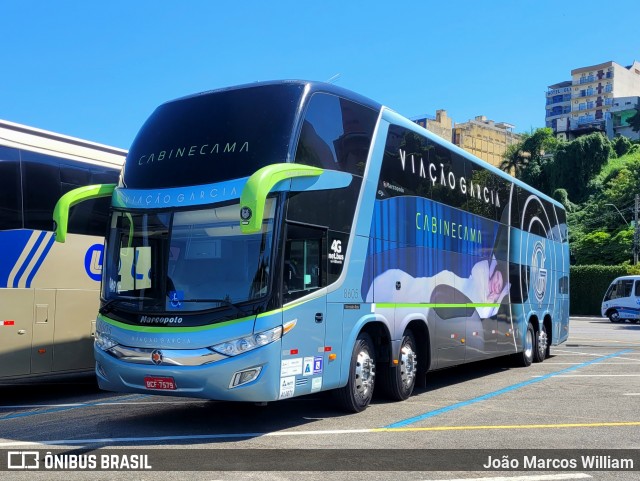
[{"x": 214, "y": 380}]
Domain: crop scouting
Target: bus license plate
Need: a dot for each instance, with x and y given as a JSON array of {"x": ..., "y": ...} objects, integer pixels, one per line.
[{"x": 161, "y": 383}]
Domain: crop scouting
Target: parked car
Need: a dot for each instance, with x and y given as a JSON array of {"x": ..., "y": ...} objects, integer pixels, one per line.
[{"x": 622, "y": 300}]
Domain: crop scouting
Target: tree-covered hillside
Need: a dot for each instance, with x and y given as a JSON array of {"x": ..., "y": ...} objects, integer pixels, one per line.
[{"x": 595, "y": 179}]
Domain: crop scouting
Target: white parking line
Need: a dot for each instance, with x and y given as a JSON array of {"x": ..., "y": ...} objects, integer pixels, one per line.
[
  {"x": 600, "y": 364},
  {"x": 535, "y": 477},
  {"x": 594, "y": 375},
  {"x": 145, "y": 403}
]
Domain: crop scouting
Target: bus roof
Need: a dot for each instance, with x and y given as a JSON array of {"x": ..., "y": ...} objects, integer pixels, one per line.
[
  {"x": 312, "y": 87},
  {"x": 45, "y": 142}
]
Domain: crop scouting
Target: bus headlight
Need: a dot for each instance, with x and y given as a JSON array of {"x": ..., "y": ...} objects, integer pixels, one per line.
[
  {"x": 104, "y": 342},
  {"x": 248, "y": 343}
]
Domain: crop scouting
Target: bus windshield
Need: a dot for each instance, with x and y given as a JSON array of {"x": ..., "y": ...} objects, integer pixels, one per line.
[{"x": 189, "y": 260}]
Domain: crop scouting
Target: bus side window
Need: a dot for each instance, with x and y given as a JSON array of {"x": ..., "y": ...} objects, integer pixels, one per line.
[
  {"x": 304, "y": 261},
  {"x": 637, "y": 290},
  {"x": 611, "y": 293}
]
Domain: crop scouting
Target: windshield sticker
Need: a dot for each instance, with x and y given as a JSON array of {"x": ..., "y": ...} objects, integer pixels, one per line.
[{"x": 175, "y": 299}]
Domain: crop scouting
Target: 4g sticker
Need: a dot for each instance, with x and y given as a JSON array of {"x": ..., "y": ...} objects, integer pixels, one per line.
[{"x": 336, "y": 256}]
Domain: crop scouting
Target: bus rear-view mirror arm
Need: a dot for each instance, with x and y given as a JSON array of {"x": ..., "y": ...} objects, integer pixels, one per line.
[
  {"x": 71, "y": 198},
  {"x": 282, "y": 177}
]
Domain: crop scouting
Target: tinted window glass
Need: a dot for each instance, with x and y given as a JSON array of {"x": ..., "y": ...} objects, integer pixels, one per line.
[
  {"x": 450, "y": 184},
  {"x": 619, "y": 289},
  {"x": 213, "y": 137},
  {"x": 417, "y": 166},
  {"x": 329, "y": 208},
  {"x": 405, "y": 165},
  {"x": 336, "y": 134},
  {"x": 10, "y": 189},
  {"x": 46, "y": 179},
  {"x": 562, "y": 223},
  {"x": 532, "y": 215},
  {"x": 305, "y": 261},
  {"x": 41, "y": 181},
  {"x": 477, "y": 180}
]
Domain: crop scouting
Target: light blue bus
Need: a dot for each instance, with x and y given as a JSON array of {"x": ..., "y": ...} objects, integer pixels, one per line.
[{"x": 283, "y": 238}]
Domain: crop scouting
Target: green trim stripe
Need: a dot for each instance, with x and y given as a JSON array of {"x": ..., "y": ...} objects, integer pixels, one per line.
[
  {"x": 160, "y": 329},
  {"x": 385, "y": 305},
  {"x": 175, "y": 330}
]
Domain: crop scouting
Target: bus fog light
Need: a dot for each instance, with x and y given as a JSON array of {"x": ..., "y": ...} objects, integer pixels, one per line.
[{"x": 243, "y": 377}]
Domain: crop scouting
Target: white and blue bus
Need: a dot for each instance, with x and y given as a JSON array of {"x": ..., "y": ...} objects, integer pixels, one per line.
[
  {"x": 278, "y": 239},
  {"x": 49, "y": 292}
]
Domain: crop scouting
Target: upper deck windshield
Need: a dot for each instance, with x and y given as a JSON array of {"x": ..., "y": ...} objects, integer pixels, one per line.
[
  {"x": 184, "y": 261},
  {"x": 213, "y": 137}
]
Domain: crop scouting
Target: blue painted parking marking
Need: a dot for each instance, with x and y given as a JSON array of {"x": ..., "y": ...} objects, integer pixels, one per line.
[{"x": 505, "y": 390}]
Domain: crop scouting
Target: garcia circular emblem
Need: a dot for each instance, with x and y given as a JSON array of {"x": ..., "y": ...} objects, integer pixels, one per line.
[
  {"x": 538, "y": 271},
  {"x": 245, "y": 213}
]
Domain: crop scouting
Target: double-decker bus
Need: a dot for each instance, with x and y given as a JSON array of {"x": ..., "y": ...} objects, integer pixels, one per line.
[
  {"x": 49, "y": 292},
  {"x": 278, "y": 239}
]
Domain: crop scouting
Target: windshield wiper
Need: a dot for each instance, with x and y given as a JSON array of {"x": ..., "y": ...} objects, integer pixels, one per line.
[
  {"x": 220, "y": 301},
  {"x": 108, "y": 306}
]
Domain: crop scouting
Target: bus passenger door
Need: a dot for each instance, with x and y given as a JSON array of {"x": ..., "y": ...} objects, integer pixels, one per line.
[
  {"x": 43, "y": 329},
  {"x": 16, "y": 321},
  {"x": 304, "y": 273}
]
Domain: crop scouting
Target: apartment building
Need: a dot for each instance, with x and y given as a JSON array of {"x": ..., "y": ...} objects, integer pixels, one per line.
[
  {"x": 485, "y": 138},
  {"x": 441, "y": 124},
  {"x": 582, "y": 105}
]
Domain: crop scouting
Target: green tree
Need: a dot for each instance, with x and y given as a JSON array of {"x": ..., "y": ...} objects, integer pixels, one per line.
[
  {"x": 634, "y": 121},
  {"x": 621, "y": 145},
  {"x": 577, "y": 162},
  {"x": 515, "y": 159}
]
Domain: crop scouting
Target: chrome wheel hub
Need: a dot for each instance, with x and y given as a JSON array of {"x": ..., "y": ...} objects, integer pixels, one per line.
[
  {"x": 528, "y": 345},
  {"x": 365, "y": 374},
  {"x": 408, "y": 365}
]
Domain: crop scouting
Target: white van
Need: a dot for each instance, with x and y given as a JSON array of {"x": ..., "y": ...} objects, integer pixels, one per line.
[{"x": 622, "y": 300}]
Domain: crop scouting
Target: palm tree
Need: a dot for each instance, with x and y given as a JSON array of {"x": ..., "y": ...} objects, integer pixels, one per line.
[{"x": 515, "y": 159}]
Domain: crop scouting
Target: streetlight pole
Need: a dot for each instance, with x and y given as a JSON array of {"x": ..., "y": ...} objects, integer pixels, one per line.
[
  {"x": 635, "y": 232},
  {"x": 635, "y": 228},
  {"x": 625, "y": 220}
]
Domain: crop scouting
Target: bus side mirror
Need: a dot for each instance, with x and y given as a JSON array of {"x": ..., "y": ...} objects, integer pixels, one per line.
[
  {"x": 71, "y": 198},
  {"x": 274, "y": 177}
]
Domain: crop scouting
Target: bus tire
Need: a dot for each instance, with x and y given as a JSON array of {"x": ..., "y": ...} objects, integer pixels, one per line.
[
  {"x": 614, "y": 316},
  {"x": 541, "y": 345},
  {"x": 525, "y": 358},
  {"x": 357, "y": 394},
  {"x": 398, "y": 382}
]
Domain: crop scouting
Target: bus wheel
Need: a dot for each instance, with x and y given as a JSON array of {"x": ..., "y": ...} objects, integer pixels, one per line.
[
  {"x": 356, "y": 395},
  {"x": 398, "y": 382},
  {"x": 540, "y": 352},
  {"x": 525, "y": 358},
  {"x": 614, "y": 316}
]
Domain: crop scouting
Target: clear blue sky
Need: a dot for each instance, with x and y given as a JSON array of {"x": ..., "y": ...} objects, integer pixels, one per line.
[{"x": 97, "y": 69}]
